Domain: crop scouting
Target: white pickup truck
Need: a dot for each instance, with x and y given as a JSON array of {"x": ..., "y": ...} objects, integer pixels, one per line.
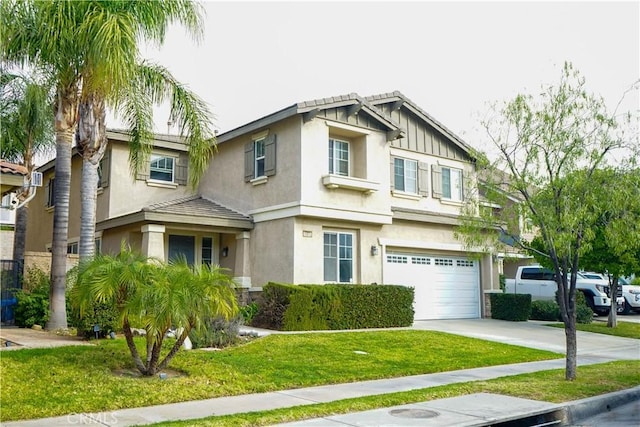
[{"x": 540, "y": 283}]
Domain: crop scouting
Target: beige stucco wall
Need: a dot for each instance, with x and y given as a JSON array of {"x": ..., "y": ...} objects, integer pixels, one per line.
[
  {"x": 224, "y": 180},
  {"x": 273, "y": 252},
  {"x": 369, "y": 161},
  {"x": 127, "y": 195}
]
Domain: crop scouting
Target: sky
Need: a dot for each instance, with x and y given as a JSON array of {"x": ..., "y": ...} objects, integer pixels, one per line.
[{"x": 452, "y": 59}]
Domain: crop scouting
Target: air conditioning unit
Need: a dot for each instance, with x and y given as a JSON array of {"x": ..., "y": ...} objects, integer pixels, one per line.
[
  {"x": 36, "y": 179},
  {"x": 13, "y": 201}
]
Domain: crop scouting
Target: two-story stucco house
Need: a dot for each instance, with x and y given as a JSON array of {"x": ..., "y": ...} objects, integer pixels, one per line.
[{"x": 347, "y": 189}]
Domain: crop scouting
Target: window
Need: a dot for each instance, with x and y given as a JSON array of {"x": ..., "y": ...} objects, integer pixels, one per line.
[
  {"x": 452, "y": 184},
  {"x": 161, "y": 168},
  {"x": 338, "y": 157},
  {"x": 72, "y": 248},
  {"x": 98, "y": 242},
  {"x": 338, "y": 257},
  {"x": 405, "y": 175},
  {"x": 259, "y": 158},
  {"x": 207, "y": 251},
  {"x": 182, "y": 247},
  {"x": 50, "y": 190}
]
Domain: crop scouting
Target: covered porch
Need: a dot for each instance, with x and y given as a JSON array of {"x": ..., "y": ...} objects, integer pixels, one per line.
[{"x": 194, "y": 228}]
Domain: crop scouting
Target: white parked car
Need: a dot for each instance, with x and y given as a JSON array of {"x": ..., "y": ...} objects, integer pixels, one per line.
[
  {"x": 631, "y": 294},
  {"x": 628, "y": 299}
]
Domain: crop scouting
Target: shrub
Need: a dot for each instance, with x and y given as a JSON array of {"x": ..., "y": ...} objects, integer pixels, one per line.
[
  {"x": 514, "y": 307},
  {"x": 248, "y": 312},
  {"x": 375, "y": 306},
  {"x": 105, "y": 315},
  {"x": 584, "y": 314},
  {"x": 636, "y": 281},
  {"x": 545, "y": 310},
  {"x": 319, "y": 307},
  {"x": 217, "y": 332},
  {"x": 32, "y": 307},
  {"x": 271, "y": 306}
]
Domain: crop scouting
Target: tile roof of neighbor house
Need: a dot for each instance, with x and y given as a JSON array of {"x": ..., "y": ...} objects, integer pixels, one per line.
[
  {"x": 196, "y": 206},
  {"x": 12, "y": 168}
]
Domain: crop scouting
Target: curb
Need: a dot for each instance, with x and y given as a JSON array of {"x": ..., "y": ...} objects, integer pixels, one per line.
[{"x": 578, "y": 410}]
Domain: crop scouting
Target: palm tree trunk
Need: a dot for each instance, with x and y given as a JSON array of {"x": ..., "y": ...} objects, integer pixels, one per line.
[
  {"x": 57, "y": 303},
  {"x": 91, "y": 142},
  {"x": 88, "y": 196},
  {"x": 174, "y": 350},
  {"x": 126, "y": 328}
]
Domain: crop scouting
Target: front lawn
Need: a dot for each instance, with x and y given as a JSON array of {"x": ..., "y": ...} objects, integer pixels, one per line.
[
  {"x": 623, "y": 329},
  {"x": 47, "y": 382},
  {"x": 549, "y": 386}
]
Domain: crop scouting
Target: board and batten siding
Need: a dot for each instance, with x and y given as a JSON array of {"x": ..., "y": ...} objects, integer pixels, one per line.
[
  {"x": 362, "y": 119},
  {"x": 420, "y": 136}
]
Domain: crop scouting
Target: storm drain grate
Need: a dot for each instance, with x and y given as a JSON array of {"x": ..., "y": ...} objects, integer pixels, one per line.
[{"x": 413, "y": 413}]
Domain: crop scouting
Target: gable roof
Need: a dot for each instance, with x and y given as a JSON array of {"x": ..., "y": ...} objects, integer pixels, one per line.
[
  {"x": 193, "y": 210},
  {"x": 196, "y": 206},
  {"x": 396, "y": 96},
  {"x": 310, "y": 108}
]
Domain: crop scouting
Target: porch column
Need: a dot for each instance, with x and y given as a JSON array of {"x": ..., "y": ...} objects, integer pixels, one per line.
[
  {"x": 242, "y": 268},
  {"x": 153, "y": 241}
]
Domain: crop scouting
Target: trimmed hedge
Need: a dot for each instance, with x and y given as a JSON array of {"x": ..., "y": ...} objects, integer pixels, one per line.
[
  {"x": 322, "y": 307},
  {"x": 549, "y": 310},
  {"x": 514, "y": 307}
]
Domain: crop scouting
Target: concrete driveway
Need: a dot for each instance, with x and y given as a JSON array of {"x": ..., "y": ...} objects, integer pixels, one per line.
[{"x": 535, "y": 334}]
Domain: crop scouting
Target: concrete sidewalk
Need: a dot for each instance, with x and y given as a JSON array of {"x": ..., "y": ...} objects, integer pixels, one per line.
[{"x": 592, "y": 348}]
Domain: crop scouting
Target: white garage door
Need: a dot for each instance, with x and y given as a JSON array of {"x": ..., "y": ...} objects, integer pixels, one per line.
[{"x": 445, "y": 287}]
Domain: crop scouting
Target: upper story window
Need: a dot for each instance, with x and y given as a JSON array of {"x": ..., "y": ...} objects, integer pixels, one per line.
[
  {"x": 50, "y": 193},
  {"x": 452, "y": 184},
  {"x": 161, "y": 168},
  {"x": 447, "y": 183},
  {"x": 338, "y": 157},
  {"x": 405, "y": 175},
  {"x": 260, "y": 158}
]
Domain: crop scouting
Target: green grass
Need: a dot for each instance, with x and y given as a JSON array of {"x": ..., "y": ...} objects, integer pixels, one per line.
[
  {"x": 549, "y": 386},
  {"x": 623, "y": 329},
  {"x": 48, "y": 382}
]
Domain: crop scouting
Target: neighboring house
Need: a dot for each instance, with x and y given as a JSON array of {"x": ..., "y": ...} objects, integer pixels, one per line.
[
  {"x": 346, "y": 189},
  {"x": 11, "y": 180}
]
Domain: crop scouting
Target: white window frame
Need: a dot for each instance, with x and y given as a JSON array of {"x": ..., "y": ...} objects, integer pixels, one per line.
[
  {"x": 257, "y": 158},
  {"x": 157, "y": 157},
  {"x": 343, "y": 253},
  {"x": 335, "y": 161},
  {"x": 451, "y": 184},
  {"x": 406, "y": 179}
]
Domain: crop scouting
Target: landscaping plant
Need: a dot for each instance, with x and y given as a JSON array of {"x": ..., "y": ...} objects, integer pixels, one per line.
[{"x": 156, "y": 296}]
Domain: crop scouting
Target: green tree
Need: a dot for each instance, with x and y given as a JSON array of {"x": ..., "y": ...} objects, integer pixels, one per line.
[
  {"x": 548, "y": 150},
  {"x": 27, "y": 130},
  {"x": 156, "y": 297},
  {"x": 83, "y": 46},
  {"x": 615, "y": 248}
]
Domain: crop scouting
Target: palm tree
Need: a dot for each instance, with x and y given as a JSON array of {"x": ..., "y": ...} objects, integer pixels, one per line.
[
  {"x": 27, "y": 130},
  {"x": 146, "y": 84},
  {"x": 88, "y": 49},
  {"x": 156, "y": 297},
  {"x": 150, "y": 84}
]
